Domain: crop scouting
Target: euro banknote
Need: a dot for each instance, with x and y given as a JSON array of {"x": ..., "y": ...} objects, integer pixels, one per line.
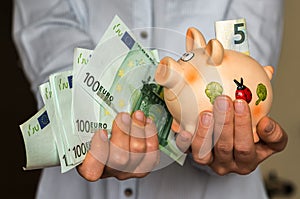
[
  {"x": 39, "y": 142},
  {"x": 233, "y": 34},
  {"x": 49, "y": 103},
  {"x": 114, "y": 80}
]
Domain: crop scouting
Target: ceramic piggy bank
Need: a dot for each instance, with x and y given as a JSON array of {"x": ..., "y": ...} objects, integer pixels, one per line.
[{"x": 206, "y": 71}]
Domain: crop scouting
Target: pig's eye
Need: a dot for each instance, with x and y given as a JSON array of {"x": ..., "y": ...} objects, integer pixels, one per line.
[{"x": 187, "y": 56}]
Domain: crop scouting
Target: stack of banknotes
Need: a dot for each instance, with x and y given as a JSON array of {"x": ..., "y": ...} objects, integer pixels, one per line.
[{"x": 117, "y": 76}]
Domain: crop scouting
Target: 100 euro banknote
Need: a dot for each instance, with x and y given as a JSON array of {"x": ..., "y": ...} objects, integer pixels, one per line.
[
  {"x": 114, "y": 80},
  {"x": 39, "y": 142}
]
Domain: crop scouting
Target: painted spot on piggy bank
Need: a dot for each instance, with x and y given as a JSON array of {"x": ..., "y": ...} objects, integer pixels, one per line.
[{"x": 206, "y": 71}]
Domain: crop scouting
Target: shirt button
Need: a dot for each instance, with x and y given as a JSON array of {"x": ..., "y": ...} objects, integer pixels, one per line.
[
  {"x": 128, "y": 192},
  {"x": 144, "y": 34}
]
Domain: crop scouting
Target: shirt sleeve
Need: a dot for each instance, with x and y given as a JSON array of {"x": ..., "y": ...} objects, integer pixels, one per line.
[{"x": 46, "y": 33}]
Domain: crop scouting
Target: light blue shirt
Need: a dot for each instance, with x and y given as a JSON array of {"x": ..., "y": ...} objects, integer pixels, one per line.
[{"x": 46, "y": 32}]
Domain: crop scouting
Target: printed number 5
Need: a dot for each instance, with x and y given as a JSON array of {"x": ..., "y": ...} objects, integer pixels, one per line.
[{"x": 239, "y": 32}]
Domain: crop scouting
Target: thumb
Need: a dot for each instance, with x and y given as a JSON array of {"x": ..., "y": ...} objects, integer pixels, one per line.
[
  {"x": 272, "y": 134},
  {"x": 93, "y": 165},
  {"x": 184, "y": 140}
]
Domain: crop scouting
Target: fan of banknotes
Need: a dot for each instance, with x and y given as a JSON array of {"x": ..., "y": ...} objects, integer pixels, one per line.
[{"x": 117, "y": 76}]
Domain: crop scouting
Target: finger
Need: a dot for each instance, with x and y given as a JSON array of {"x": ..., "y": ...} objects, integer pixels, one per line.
[
  {"x": 145, "y": 166},
  {"x": 202, "y": 142},
  {"x": 223, "y": 130},
  {"x": 184, "y": 140},
  {"x": 137, "y": 143},
  {"x": 138, "y": 125},
  {"x": 152, "y": 154},
  {"x": 93, "y": 165},
  {"x": 244, "y": 148},
  {"x": 119, "y": 142},
  {"x": 274, "y": 138}
]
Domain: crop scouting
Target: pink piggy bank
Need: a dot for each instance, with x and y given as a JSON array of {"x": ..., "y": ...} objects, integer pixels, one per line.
[{"x": 206, "y": 71}]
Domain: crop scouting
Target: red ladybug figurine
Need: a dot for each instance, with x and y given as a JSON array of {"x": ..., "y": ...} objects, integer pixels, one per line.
[{"x": 242, "y": 91}]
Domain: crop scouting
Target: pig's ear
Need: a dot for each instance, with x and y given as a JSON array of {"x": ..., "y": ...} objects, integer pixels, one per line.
[
  {"x": 215, "y": 51},
  {"x": 269, "y": 70},
  {"x": 194, "y": 39}
]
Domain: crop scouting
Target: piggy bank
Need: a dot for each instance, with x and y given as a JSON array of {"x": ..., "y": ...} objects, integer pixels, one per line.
[{"x": 206, "y": 71}]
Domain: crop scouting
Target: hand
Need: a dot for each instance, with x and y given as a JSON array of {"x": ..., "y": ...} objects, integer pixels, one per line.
[
  {"x": 131, "y": 152},
  {"x": 229, "y": 127}
]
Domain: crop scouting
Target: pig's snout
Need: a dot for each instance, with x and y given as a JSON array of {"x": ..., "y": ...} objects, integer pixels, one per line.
[{"x": 168, "y": 73}]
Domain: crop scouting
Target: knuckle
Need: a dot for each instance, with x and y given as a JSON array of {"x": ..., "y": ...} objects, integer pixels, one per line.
[
  {"x": 243, "y": 150},
  {"x": 89, "y": 175},
  {"x": 202, "y": 134},
  {"x": 137, "y": 147},
  {"x": 224, "y": 121},
  {"x": 222, "y": 128},
  {"x": 153, "y": 158},
  {"x": 120, "y": 160},
  {"x": 242, "y": 121},
  {"x": 122, "y": 176},
  {"x": 245, "y": 171},
  {"x": 224, "y": 148},
  {"x": 137, "y": 131},
  {"x": 152, "y": 146},
  {"x": 150, "y": 129},
  {"x": 221, "y": 171},
  {"x": 126, "y": 176},
  {"x": 203, "y": 161},
  {"x": 140, "y": 175}
]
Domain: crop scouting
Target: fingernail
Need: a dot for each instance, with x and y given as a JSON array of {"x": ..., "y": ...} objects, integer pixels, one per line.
[
  {"x": 239, "y": 106},
  {"x": 269, "y": 128},
  {"x": 126, "y": 118},
  {"x": 139, "y": 115},
  {"x": 183, "y": 138},
  {"x": 206, "y": 119},
  {"x": 149, "y": 120},
  {"x": 222, "y": 104},
  {"x": 103, "y": 136}
]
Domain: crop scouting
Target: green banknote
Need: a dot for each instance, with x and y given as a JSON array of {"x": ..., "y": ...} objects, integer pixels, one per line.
[
  {"x": 48, "y": 99},
  {"x": 39, "y": 142},
  {"x": 114, "y": 78},
  {"x": 233, "y": 34},
  {"x": 151, "y": 102},
  {"x": 62, "y": 86},
  {"x": 85, "y": 112},
  {"x": 60, "y": 97}
]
